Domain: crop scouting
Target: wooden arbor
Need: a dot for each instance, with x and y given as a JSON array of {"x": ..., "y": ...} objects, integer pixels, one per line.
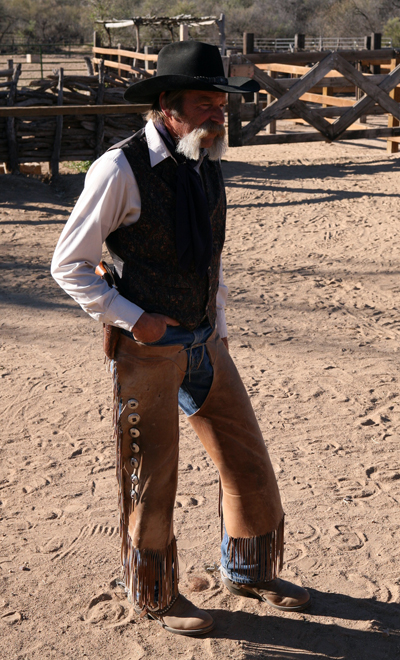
[{"x": 288, "y": 104}]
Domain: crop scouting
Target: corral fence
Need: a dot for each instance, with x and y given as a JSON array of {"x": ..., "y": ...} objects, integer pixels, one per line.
[
  {"x": 332, "y": 92},
  {"x": 77, "y": 117}
]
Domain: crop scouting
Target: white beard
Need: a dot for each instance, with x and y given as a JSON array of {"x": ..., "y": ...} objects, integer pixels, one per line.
[{"x": 189, "y": 145}]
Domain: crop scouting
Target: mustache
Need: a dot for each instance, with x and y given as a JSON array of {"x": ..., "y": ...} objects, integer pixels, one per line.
[{"x": 211, "y": 127}]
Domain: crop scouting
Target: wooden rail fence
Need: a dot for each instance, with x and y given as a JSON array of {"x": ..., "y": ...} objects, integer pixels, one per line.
[
  {"x": 63, "y": 118},
  {"x": 66, "y": 117},
  {"x": 309, "y": 97}
]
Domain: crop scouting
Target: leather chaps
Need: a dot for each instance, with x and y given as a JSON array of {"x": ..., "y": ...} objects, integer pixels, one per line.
[{"x": 146, "y": 384}]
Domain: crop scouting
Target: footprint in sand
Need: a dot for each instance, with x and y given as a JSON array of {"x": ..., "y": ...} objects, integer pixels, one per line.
[
  {"x": 346, "y": 538},
  {"x": 82, "y": 538},
  {"x": 186, "y": 501},
  {"x": 110, "y": 609}
]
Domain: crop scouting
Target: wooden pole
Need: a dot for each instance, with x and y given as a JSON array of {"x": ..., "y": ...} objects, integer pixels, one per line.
[
  {"x": 89, "y": 65},
  {"x": 119, "y": 59},
  {"x": 222, "y": 37},
  {"x": 234, "y": 120},
  {"x": 183, "y": 32},
  {"x": 299, "y": 41},
  {"x": 271, "y": 127},
  {"x": 393, "y": 147},
  {"x": 12, "y": 165},
  {"x": 248, "y": 43},
  {"x": 10, "y": 65},
  {"x": 100, "y": 118},
  {"x": 149, "y": 66},
  {"x": 359, "y": 94},
  {"x": 96, "y": 44},
  {"x": 55, "y": 158},
  {"x": 376, "y": 41}
]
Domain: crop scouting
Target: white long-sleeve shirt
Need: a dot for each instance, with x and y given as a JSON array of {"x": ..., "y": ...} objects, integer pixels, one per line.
[{"x": 110, "y": 199}]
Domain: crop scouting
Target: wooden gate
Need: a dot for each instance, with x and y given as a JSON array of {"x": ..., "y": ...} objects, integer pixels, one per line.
[{"x": 376, "y": 98}]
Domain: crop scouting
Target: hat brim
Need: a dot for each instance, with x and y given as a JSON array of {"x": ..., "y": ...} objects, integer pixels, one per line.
[{"x": 148, "y": 91}]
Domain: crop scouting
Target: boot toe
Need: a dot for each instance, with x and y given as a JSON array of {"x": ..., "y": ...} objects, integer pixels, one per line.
[
  {"x": 184, "y": 618},
  {"x": 285, "y": 595}
]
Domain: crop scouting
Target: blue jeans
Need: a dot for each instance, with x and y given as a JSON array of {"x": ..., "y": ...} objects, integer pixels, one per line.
[{"x": 199, "y": 374}]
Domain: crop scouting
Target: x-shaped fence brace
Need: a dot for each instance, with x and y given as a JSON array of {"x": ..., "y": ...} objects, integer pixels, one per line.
[{"x": 289, "y": 98}]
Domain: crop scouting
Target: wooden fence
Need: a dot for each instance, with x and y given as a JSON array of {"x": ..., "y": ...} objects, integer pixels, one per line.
[
  {"x": 311, "y": 96},
  {"x": 63, "y": 117},
  {"x": 66, "y": 117}
]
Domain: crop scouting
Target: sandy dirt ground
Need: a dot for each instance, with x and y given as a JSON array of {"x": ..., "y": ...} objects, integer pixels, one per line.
[{"x": 312, "y": 260}]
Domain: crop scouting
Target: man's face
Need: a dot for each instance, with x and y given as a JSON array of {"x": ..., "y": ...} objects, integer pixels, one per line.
[{"x": 199, "y": 107}]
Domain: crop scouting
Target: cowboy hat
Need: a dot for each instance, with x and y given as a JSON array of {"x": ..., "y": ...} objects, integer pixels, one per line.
[{"x": 188, "y": 65}]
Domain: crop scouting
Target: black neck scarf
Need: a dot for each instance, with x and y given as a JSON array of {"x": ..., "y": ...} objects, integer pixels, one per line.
[{"x": 193, "y": 233}]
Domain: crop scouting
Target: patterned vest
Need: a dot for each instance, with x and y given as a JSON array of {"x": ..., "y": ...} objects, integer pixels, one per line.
[{"x": 146, "y": 267}]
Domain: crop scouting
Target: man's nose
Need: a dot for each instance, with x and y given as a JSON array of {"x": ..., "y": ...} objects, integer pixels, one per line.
[{"x": 218, "y": 115}]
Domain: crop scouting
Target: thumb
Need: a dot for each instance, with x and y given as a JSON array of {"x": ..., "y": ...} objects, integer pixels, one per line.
[{"x": 170, "y": 321}]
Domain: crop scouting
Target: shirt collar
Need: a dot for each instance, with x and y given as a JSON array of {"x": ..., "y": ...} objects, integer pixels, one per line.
[{"x": 157, "y": 148}]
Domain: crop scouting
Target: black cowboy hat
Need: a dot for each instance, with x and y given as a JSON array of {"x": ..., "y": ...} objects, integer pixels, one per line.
[{"x": 188, "y": 65}]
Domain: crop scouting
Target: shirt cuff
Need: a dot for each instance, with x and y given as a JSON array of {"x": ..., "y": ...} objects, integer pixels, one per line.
[
  {"x": 221, "y": 323},
  {"x": 122, "y": 313}
]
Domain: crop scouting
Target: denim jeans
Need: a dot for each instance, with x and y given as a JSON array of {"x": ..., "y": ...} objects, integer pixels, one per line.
[{"x": 199, "y": 374}]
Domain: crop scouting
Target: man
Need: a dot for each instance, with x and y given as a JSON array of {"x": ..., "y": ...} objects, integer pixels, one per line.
[{"x": 158, "y": 202}]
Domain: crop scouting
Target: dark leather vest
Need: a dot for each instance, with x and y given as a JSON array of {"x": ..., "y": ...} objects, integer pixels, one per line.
[{"x": 144, "y": 254}]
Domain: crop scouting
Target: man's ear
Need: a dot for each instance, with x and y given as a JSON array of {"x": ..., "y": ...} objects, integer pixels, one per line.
[{"x": 164, "y": 110}]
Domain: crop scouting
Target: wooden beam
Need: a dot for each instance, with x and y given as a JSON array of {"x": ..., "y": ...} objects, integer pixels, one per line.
[
  {"x": 291, "y": 138},
  {"x": 126, "y": 53},
  {"x": 336, "y": 83},
  {"x": 55, "y": 111},
  {"x": 327, "y": 100},
  {"x": 100, "y": 118},
  {"x": 392, "y": 146},
  {"x": 234, "y": 120},
  {"x": 10, "y": 125},
  {"x": 124, "y": 67},
  {"x": 55, "y": 158},
  {"x": 380, "y": 56}
]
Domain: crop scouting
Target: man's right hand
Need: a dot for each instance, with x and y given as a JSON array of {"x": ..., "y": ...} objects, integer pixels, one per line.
[{"x": 151, "y": 327}]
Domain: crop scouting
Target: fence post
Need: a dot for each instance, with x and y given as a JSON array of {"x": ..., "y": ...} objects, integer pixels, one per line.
[
  {"x": 367, "y": 43},
  {"x": 55, "y": 158},
  {"x": 89, "y": 65},
  {"x": 299, "y": 41},
  {"x": 12, "y": 166},
  {"x": 100, "y": 119},
  {"x": 222, "y": 38},
  {"x": 248, "y": 43},
  {"x": 96, "y": 44},
  {"x": 376, "y": 44},
  {"x": 234, "y": 120},
  {"x": 359, "y": 94},
  {"x": 119, "y": 59},
  {"x": 183, "y": 32},
  {"x": 10, "y": 65},
  {"x": 149, "y": 66},
  {"x": 392, "y": 146},
  {"x": 271, "y": 127}
]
